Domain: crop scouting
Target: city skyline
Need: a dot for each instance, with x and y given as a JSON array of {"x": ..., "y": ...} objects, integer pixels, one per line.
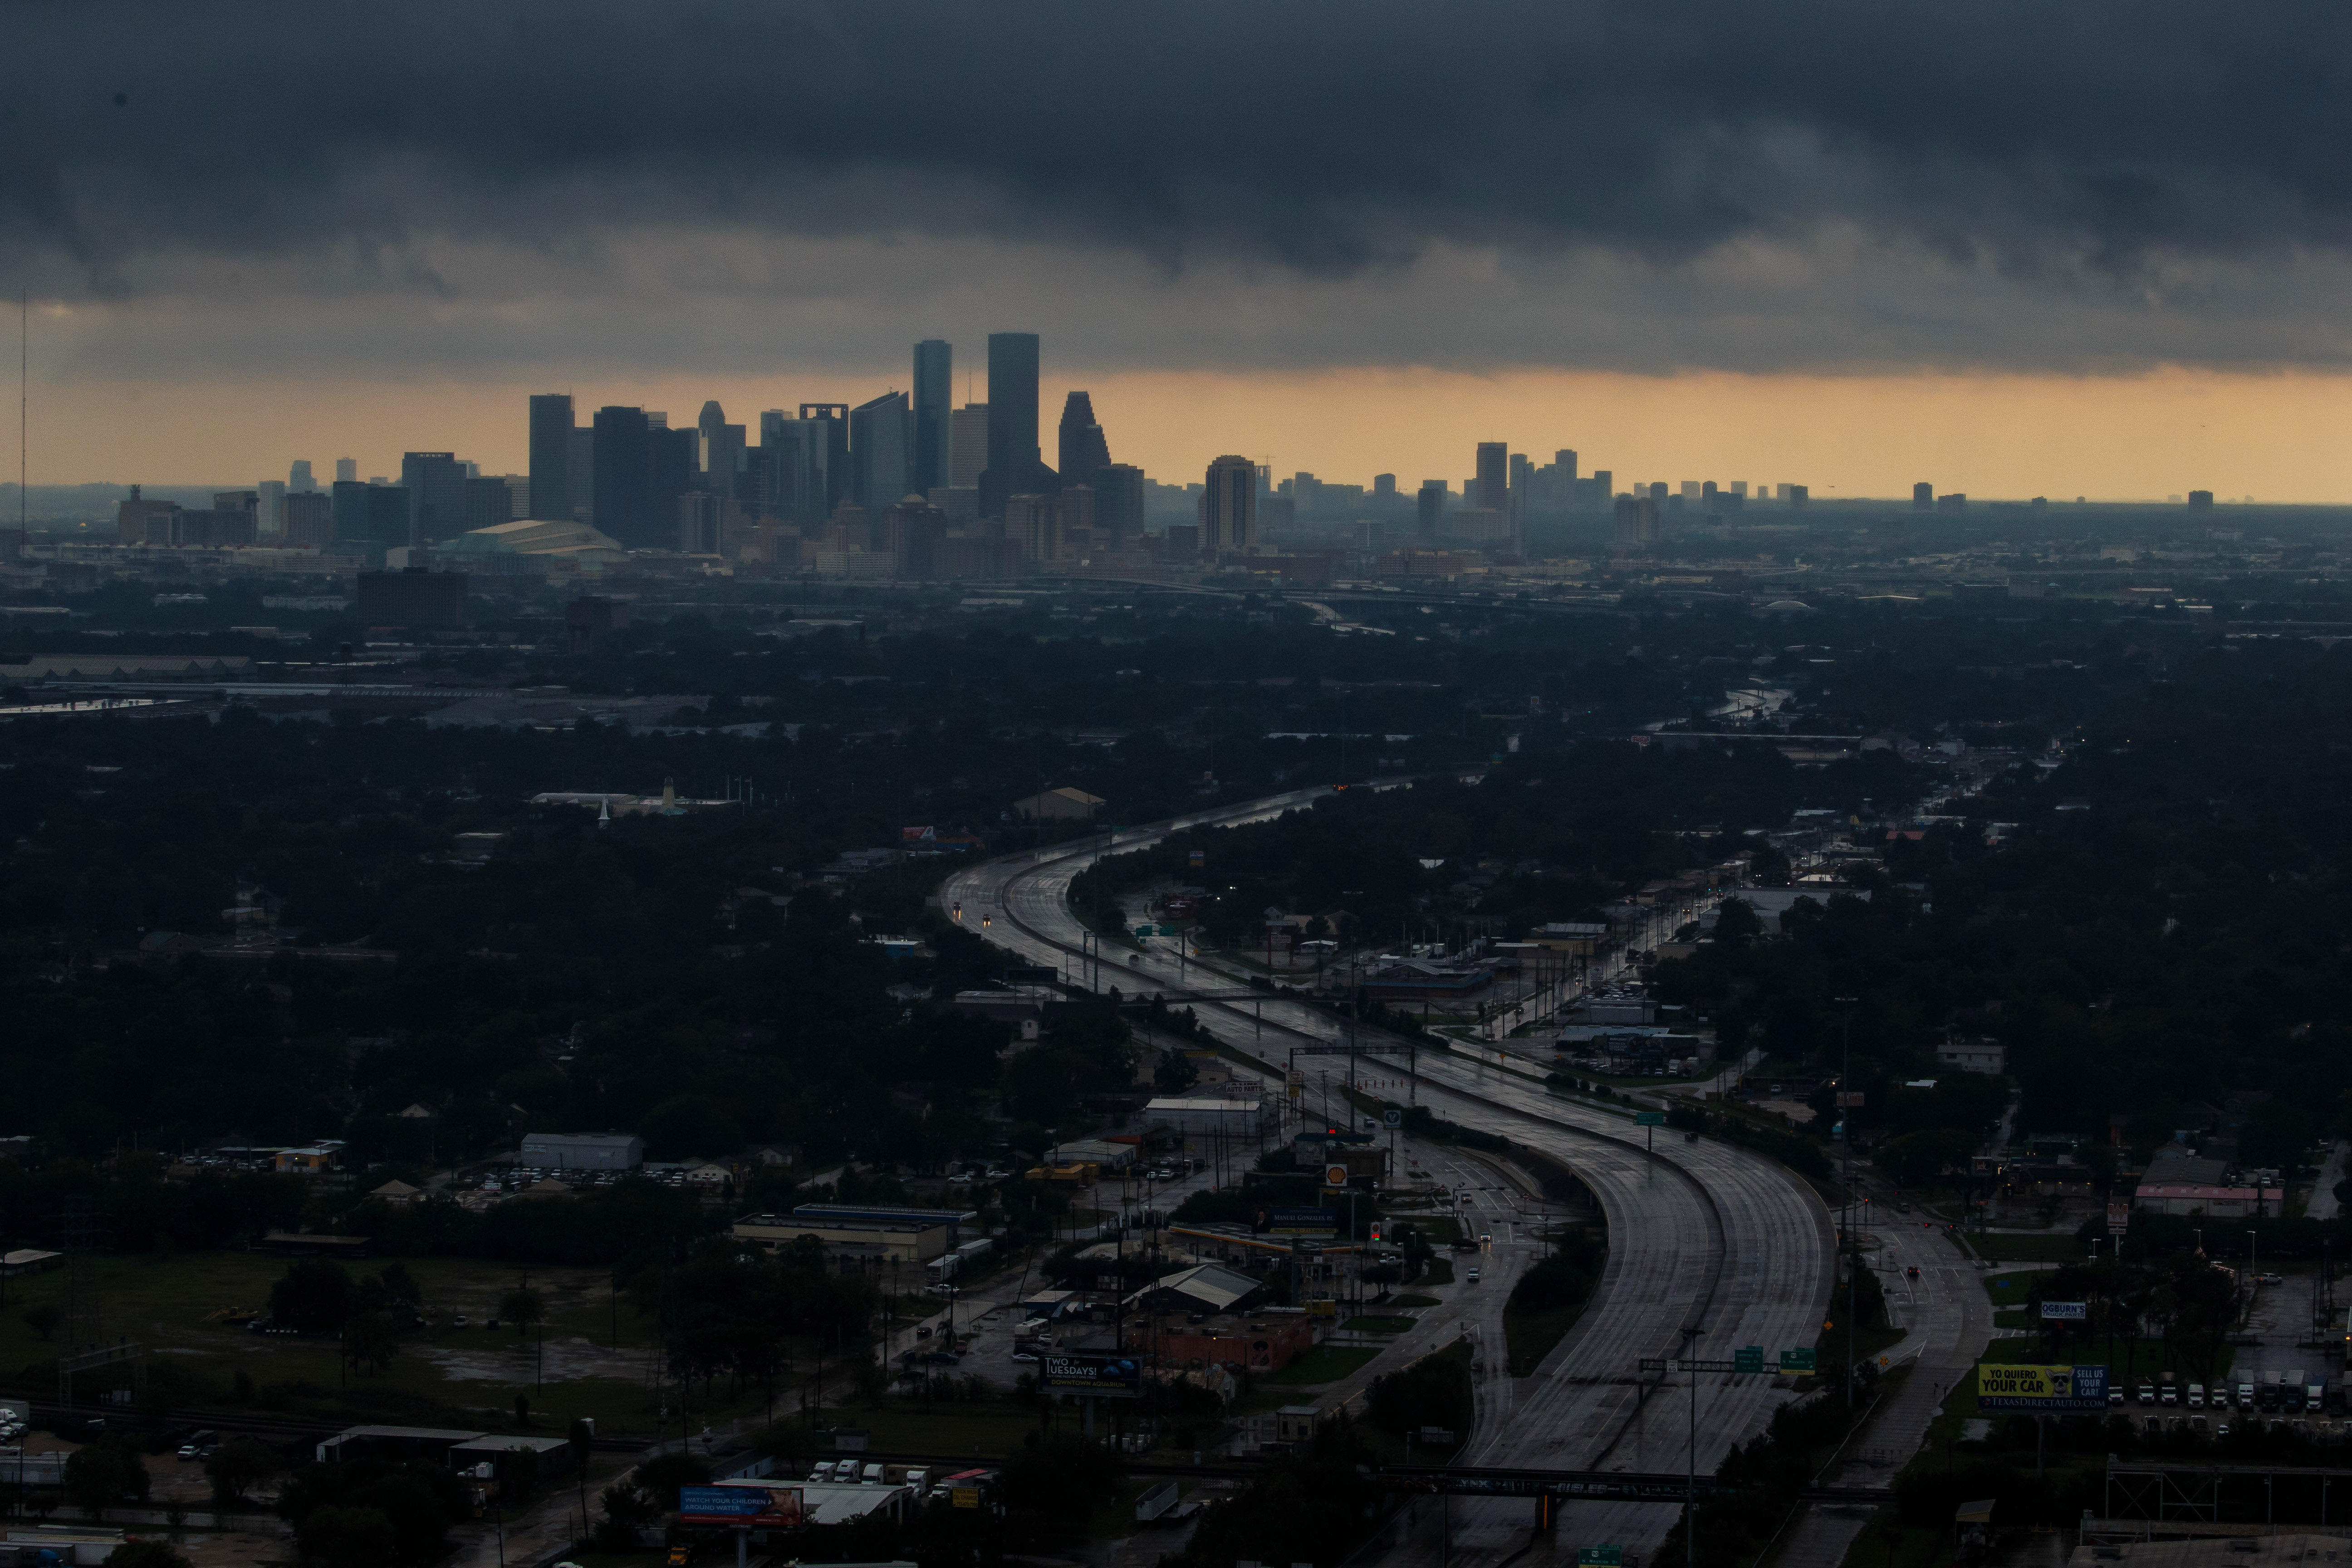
[{"x": 2268, "y": 436}]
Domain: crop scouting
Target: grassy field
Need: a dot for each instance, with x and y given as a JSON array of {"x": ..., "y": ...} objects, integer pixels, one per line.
[
  {"x": 1377, "y": 1325},
  {"x": 1531, "y": 1335},
  {"x": 1323, "y": 1364},
  {"x": 592, "y": 1357},
  {"x": 1998, "y": 1248},
  {"x": 1415, "y": 1301}
]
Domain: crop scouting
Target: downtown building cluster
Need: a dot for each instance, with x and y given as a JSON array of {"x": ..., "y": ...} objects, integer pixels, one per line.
[{"x": 909, "y": 485}]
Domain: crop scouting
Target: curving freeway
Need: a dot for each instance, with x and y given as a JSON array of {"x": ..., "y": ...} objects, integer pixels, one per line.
[{"x": 1702, "y": 1236}]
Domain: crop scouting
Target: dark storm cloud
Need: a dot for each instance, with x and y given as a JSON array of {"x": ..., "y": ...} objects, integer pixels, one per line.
[{"x": 1319, "y": 135}]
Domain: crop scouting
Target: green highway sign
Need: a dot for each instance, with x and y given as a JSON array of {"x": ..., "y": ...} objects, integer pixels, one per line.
[
  {"x": 1796, "y": 1361},
  {"x": 1147, "y": 930},
  {"x": 1649, "y": 1119},
  {"x": 1748, "y": 1358},
  {"x": 1599, "y": 1557}
]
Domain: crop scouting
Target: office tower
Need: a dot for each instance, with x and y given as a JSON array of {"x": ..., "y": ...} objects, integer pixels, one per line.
[
  {"x": 881, "y": 434},
  {"x": 1083, "y": 447},
  {"x": 347, "y": 471},
  {"x": 1429, "y": 508},
  {"x": 1798, "y": 496},
  {"x": 1923, "y": 496},
  {"x": 1119, "y": 505},
  {"x": 719, "y": 454},
  {"x": 969, "y": 457},
  {"x": 1229, "y": 507},
  {"x": 1384, "y": 490},
  {"x": 1035, "y": 521},
  {"x": 833, "y": 429},
  {"x": 580, "y": 476},
  {"x": 671, "y": 457},
  {"x": 347, "y": 511},
  {"x": 1014, "y": 465},
  {"x": 1604, "y": 484},
  {"x": 1565, "y": 461},
  {"x": 518, "y": 495},
  {"x": 701, "y": 522},
  {"x": 310, "y": 521},
  {"x": 298, "y": 477},
  {"x": 489, "y": 503},
  {"x": 551, "y": 427},
  {"x": 1637, "y": 521},
  {"x": 435, "y": 482},
  {"x": 236, "y": 520},
  {"x": 373, "y": 517},
  {"x": 934, "y": 449},
  {"x": 656, "y": 420},
  {"x": 1740, "y": 488},
  {"x": 910, "y": 531},
  {"x": 1658, "y": 492},
  {"x": 273, "y": 508},
  {"x": 622, "y": 476},
  {"x": 1492, "y": 487},
  {"x": 1706, "y": 495}
]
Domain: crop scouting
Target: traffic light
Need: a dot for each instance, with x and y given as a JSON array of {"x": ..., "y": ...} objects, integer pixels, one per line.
[{"x": 1376, "y": 1230}]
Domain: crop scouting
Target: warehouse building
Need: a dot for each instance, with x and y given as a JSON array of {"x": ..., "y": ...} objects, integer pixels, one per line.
[{"x": 583, "y": 1151}]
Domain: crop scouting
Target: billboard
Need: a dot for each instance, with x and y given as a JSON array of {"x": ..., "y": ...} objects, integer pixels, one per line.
[
  {"x": 1112, "y": 1376},
  {"x": 751, "y": 1508},
  {"x": 2065, "y": 1312},
  {"x": 912, "y": 837},
  {"x": 2042, "y": 1389},
  {"x": 1301, "y": 1222}
]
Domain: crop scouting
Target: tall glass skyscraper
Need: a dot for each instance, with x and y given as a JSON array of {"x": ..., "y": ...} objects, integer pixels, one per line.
[
  {"x": 1015, "y": 467},
  {"x": 934, "y": 453},
  {"x": 550, "y": 457}
]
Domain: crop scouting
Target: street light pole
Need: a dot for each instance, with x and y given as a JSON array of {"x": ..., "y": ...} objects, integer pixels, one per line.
[{"x": 1690, "y": 1502}]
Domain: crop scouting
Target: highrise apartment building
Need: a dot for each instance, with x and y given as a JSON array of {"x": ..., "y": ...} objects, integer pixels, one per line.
[
  {"x": 1229, "y": 507},
  {"x": 1429, "y": 508}
]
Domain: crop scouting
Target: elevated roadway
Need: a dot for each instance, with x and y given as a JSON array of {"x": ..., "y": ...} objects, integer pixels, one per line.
[{"x": 1703, "y": 1236}]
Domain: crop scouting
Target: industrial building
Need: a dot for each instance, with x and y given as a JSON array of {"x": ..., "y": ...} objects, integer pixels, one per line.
[{"x": 583, "y": 1151}]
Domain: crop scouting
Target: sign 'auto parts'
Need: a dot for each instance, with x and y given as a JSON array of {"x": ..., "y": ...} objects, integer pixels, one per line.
[{"x": 2046, "y": 1389}]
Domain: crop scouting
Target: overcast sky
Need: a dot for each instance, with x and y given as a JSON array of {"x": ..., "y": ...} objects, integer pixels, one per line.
[{"x": 496, "y": 193}]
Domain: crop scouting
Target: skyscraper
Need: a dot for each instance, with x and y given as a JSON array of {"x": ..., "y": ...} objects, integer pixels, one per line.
[
  {"x": 879, "y": 434},
  {"x": 1493, "y": 476},
  {"x": 1429, "y": 508},
  {"x": 297, "y": 478},
  {"x": 1083, "y": 447},
  {"x": 970, "y": 459},
  {"x": 489, "y": 502},
  {"x": 673, "y": 458},
  {"x": 550, "y": 457},
  {"x": 1923, "y": 496},
  {"x": 1014, "y": 465},
  {"x": 622, "y": 477},
  {"x": 934, "y": 450},
  {"x": 719, "y": 450},
  {"x": 580, "y": 477},
  {"x": 273, "y": 508},
  {"x": 1118, "y": 504},
  {"x": 435, "y": 483},
  {"x": 1229, "y": 507},
  {"x": 347, "y": 471}
]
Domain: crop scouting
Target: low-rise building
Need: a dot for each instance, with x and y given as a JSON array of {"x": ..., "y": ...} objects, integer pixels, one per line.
[
  {"x": 1236, "y": 1342},
  {"x": 1974, "y": 1055},
  {"x": 583, "y": 1151},
  {"x": 2212, "y": 1203},
  {"x": 859, "y": 1235},
  {"x": 1059, "y": 805}
]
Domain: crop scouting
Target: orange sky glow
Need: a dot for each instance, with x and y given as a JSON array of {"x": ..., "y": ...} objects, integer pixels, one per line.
[{"x": 2276, "y": 437}]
